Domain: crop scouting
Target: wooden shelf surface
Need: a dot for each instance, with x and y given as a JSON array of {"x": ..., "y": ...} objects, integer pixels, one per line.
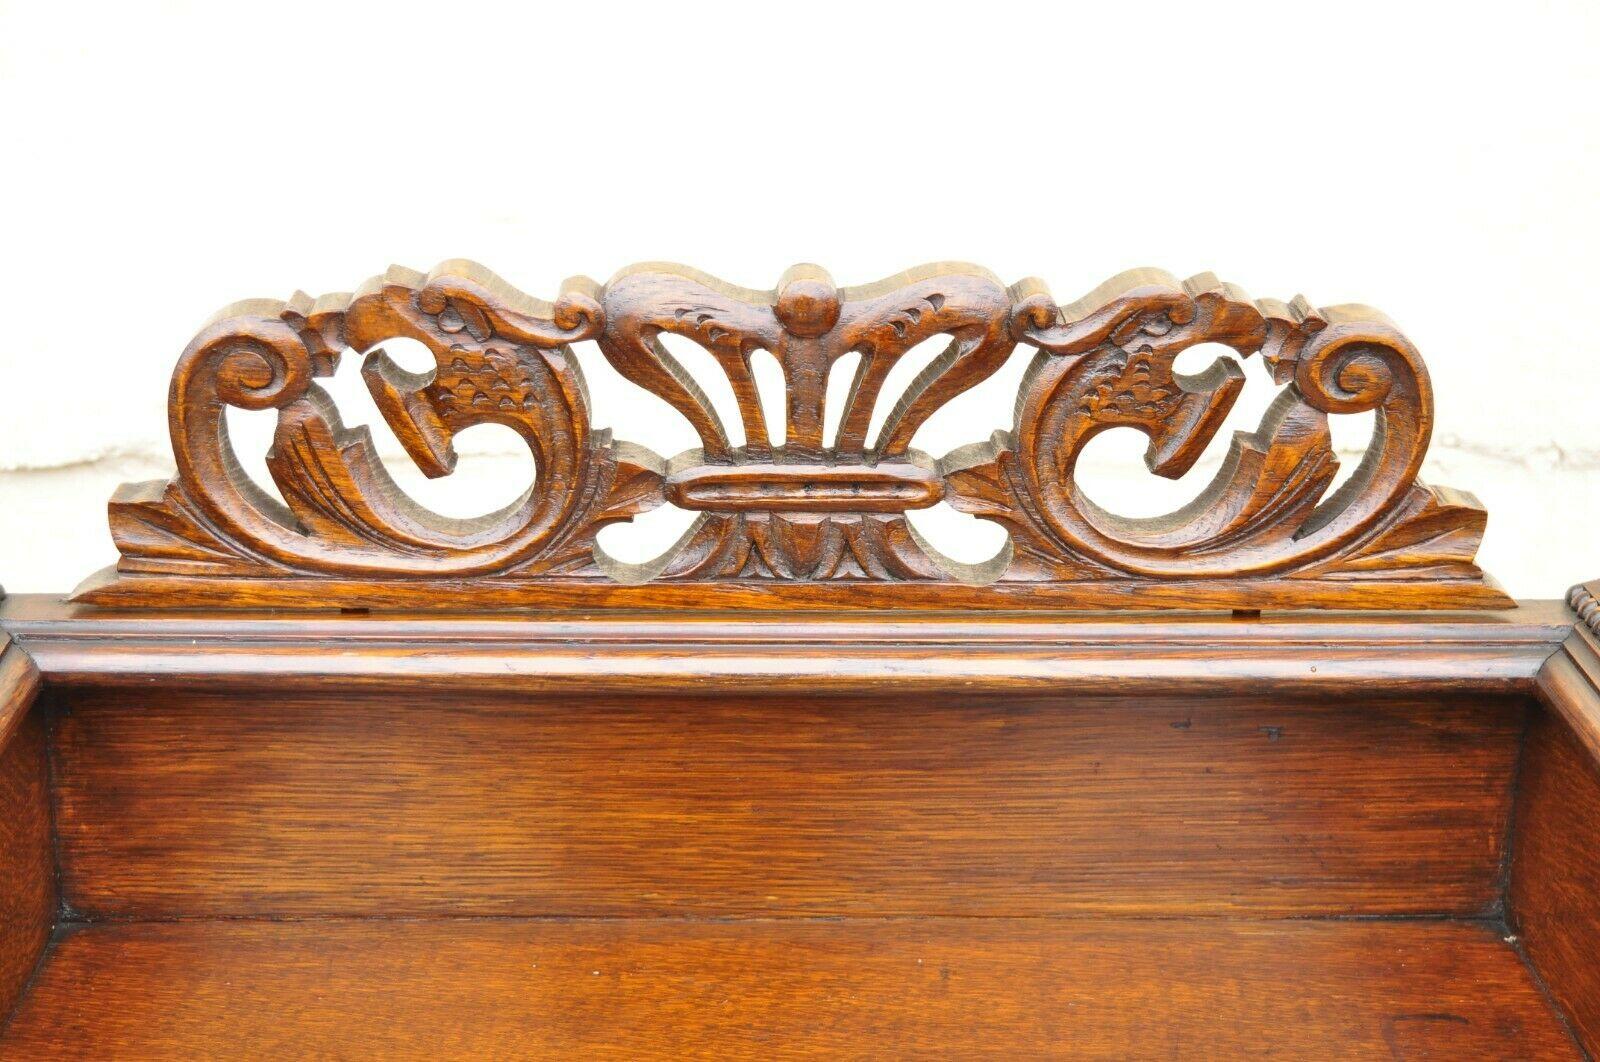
[{"x": 870, "y": 988}]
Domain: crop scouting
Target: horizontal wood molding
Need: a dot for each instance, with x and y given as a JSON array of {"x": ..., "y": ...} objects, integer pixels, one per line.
[
  {"x": 1302, "y": 654},
  {"x": 327, "y": 594},
  {"x": 790, "y": 517},
  {"x": 922, "y": 988}
]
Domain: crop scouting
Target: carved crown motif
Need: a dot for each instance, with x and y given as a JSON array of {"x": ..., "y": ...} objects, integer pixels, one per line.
[{"x": 813, "y": 521}]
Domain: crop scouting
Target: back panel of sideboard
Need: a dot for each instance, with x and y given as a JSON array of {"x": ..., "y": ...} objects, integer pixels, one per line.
[{"x": 177, "y": 802}]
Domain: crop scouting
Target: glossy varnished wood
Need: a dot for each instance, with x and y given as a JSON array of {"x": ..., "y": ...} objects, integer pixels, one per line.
[
  {"x": 27, "y": 864},
  {"x": 1569, "y": 681},
  {"x": 1555, "y": 886},
  {"x": 693, "y": 652},
  {"x": 1554, "y": 896},
  {"x": 1051, "y": 773},
  {"x": 20, "y": 683},
  {"x": 176, "y": 801},
  {"x": 920, "y": 988},
  {"x": 645, "y": 794},
  {"x": 789, "y": 518}
]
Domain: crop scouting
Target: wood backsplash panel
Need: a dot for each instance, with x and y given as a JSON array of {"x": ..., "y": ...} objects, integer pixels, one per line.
[{"x": 200, "y": 802}]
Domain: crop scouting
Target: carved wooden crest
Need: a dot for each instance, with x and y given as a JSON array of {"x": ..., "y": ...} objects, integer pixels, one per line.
[{"x": 813, "y": 522}]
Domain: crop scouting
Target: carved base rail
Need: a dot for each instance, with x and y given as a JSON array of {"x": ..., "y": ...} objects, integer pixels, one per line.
[{"x": 814, "y": 521}]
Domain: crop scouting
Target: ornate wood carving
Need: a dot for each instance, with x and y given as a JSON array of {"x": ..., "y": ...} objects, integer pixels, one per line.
[
  {"x": 1582, "y": 600},
  {"x": 813, "y": 521}
]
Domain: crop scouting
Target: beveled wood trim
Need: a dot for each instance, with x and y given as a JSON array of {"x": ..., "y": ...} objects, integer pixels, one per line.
[
  {"x": 116, "y": 590},
  {"x": 1569, "y": 682},
  {"x": 788, "y": 517},
  {"x": 28, "y": 896},
  {"x": 20, "y": 683},
  {"x": 1553, "y": 897},
  {"x": 1305, "y": 653}
]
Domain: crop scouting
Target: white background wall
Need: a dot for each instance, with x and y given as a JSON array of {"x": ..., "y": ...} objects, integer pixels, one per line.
[{"x": 1441, "y": 162}]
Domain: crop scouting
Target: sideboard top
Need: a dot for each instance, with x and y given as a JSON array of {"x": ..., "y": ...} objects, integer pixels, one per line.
[{"x": 818, "y": 520}]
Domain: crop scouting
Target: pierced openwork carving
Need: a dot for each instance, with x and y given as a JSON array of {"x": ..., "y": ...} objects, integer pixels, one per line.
[{"x": 813, "y": 521}]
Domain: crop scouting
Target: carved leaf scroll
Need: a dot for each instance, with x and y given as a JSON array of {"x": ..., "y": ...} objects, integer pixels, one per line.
[{"x": 813, "y": 522}]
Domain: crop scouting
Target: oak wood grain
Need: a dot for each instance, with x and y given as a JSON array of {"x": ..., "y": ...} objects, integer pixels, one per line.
[
  {"x": 789, "y": 518},
  {"x": 19, "y": 686},
  {"x": 135, "y": 590},
  {"x": 27, "y": 863},
  {"x": 176, "y": 801},
  {"x": 1554, "y": 897},
  {"x": 1569, "y": 684},
  {"x": 919, "y": 988},
  {"x": 1298, "y": 654}
]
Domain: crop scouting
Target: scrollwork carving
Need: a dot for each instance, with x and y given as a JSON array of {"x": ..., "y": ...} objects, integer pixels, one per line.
[
  {"x": 500, "y": 359},
  {"x": 1108, "y": 362},
  {"x": 811, "y": 521}
]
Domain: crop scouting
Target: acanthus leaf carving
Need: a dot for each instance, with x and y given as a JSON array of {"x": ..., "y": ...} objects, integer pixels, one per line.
[{"x": 811, "y": 512}]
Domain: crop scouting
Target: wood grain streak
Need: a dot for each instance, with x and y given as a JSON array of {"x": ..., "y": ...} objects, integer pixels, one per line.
[
  {"x": 1555, "y": 886},
  {"x": 965, "y": 988},
  {"x": 175, "y": 801},
  {"x": 19, "y": 685},
  {"x": 1305, "y": 654},
  {"x": 509, "y": 594},
  {"x": 27, "y": 864},
  {"x": 1569, "y": 683},
  {"x": 788, "y": 518}
]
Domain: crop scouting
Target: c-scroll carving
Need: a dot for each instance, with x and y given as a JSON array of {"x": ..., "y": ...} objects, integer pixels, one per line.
[
  {"x": 1107, "y": 361},
  {"x": 812, "y": 521},
  {"x": 500, "y": 359}
]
